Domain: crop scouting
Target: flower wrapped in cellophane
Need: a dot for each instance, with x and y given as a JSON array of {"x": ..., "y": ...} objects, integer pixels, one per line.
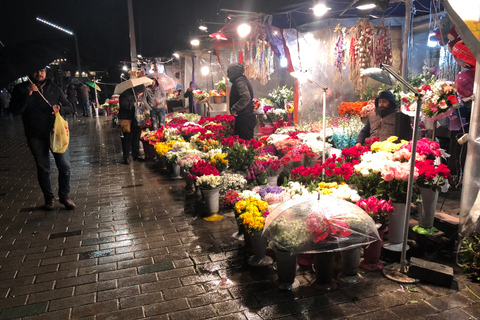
[{"x": 308, "y": 225}]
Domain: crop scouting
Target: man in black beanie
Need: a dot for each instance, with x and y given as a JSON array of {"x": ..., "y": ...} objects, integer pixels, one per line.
[
  {"x": 386, "y": 121},
  {"x": 241, "y": 102}
]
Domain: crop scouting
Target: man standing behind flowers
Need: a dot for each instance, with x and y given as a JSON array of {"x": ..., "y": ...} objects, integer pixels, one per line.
[
  {"x": 386, "y": 121},
  {"x": 241, "y": 102}
]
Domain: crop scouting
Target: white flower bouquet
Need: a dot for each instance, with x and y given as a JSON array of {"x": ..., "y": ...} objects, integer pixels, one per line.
[
  {"x": 247, "y": 194},
  {"x": 233, "y": 181},
  {"x": 209, "y": 181}
]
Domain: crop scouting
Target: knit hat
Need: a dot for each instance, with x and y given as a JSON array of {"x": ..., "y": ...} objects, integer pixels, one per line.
[{"x": 387, "y": 95}]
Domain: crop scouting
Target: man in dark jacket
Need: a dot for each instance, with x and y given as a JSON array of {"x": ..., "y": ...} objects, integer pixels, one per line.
[
  {"x": 38, "y": 119},
  {"x": 241, "y": 102},
  {"x": 386, "y": 121},
  {"x": 128, "y": 100},
  {"x": 189, "y": 94},
  {"x": 83, "y": 98}
]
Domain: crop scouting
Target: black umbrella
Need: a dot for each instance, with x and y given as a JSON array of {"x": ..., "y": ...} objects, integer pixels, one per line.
[{"x": 25, "y": 58}]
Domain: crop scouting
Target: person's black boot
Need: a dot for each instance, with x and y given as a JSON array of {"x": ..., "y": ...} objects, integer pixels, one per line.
[{"x": 49, "y": 204}]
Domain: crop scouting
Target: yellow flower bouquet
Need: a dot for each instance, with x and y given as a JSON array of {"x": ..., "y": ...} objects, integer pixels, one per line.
[
  {"x": 388, "y": 145},
  {"x": 251, "y": 213}
]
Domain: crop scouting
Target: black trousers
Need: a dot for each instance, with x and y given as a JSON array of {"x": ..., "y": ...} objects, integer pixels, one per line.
[
  {"x": 131, "y": 141},
  {"x": 244, "y": 126}
]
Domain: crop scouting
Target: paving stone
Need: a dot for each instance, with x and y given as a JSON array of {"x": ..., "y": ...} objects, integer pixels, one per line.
[
  {"x": 452, "y": 314},
  {"x": 157, "y": 267},
  {"x": 419, "y": 309},
  {"x": 449, "y": 302},
  {"x": 95, "y": 308},
  {"x": 70, "y": 302},
  {"x": 140, "y": 300},
  {"x": 23, "y": 311},
  {"x": 187, "y": 291},
  {"x": 166, "y": 307},
  {"x": 117, "y": 293},
  {"x": 375, "y": 315},
  {"x": 194, "y": 313}
]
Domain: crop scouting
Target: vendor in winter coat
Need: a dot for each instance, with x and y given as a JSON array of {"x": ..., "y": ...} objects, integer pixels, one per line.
[
  {"x": 386, "y": 121},
  {"x": 241, "y": 102}
]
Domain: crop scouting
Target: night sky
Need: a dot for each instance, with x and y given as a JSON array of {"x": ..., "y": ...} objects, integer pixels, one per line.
[{"x": 161, "y": 26}]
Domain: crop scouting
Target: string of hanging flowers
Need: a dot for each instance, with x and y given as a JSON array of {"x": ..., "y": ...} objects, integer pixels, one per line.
[
  {"x": 383, "y": 46},
  {"x": 340, "y": 54},
  {"x": 361, "y": 52}
]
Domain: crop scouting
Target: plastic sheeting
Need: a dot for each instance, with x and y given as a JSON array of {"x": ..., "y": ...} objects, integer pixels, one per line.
[{"x": 314, "y": 53}]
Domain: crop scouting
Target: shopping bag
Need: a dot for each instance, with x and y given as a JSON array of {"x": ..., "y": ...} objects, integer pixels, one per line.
[
  {"x": 124, "y": 125},
  {"x": 140, "y": 117},
  {"x": 60, "y": 136}
]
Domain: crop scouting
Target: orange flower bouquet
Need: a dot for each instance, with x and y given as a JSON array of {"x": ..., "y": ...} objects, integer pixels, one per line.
[{"x": 352, "y": 108}]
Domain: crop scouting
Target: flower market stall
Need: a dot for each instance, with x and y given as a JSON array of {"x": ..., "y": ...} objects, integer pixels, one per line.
[{"x": 277, "y": 186}]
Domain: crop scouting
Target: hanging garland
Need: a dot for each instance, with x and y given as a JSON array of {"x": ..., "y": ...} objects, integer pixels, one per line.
[
  {"x": 361, "y": 52},
  {"x": 340, "y": 54},
  {"x": 383, "y": 46}
]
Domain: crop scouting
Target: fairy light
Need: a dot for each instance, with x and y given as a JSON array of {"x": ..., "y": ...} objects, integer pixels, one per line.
[{"x": 55, "y": 26}]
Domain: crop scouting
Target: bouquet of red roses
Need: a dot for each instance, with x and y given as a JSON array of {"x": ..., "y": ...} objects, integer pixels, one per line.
[
  {"x": 337, "y": 170},
  {"x": 202, "y": 168}
]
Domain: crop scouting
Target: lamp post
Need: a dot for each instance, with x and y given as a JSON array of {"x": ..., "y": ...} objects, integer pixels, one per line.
[
  {"x": 304, "y": 76},
  {"x": 382, "y": 75},
  {"x": 79, "y": 67}
]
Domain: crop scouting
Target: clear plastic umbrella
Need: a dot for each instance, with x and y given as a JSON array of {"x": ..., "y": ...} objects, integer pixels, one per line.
[
  {"x": 165, "y": 81},
  {"x": 308, "y": 225}
]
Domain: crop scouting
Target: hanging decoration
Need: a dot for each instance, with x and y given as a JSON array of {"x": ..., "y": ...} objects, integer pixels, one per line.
[
  {"x": 361, "y": 53},
  {"x": 383, "y": 45},
  {"x": 340, "y": 54},
  {"x": 258, "y": 56}
]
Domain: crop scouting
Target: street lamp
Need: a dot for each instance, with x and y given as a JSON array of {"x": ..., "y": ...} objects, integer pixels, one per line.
[{"x": 79, "y": 67}]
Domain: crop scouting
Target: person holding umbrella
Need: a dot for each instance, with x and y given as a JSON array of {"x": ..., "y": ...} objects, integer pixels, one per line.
[
  {"x": 129, "y": 100},
  {"x": 38, "y": 101}
]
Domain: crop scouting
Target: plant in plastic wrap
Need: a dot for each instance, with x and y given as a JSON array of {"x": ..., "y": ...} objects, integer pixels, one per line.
[{"x": 308, "y": 225}]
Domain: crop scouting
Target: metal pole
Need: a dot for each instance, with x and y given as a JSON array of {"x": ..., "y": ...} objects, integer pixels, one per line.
[
  {"x": 133, "y": 45},
  {"x": 406, "y": 39},
  {"x": 79, "y": 65},
  {"x": 406, "y": 228},
  {"x": 324, "y": 122}
]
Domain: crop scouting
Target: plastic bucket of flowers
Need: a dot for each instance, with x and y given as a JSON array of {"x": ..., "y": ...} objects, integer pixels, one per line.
[{"x": 210, "y": 187}]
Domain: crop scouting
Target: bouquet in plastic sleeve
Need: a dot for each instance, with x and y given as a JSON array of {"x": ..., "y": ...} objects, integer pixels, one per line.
[{"x": 314, "y": 226}]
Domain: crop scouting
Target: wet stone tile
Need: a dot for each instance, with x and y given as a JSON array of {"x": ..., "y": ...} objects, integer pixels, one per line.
[
  {"x": 157, "y": 267},
  {"x": 65, "y": 234},
  {"x": 24, "y": 311},
  {"x": 96, "y": 254}
]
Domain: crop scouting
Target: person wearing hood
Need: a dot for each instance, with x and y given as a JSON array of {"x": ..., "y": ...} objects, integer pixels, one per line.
[
  {"x": 28, "y": 100},
  {"x": 157, "y": 100},
  {"x": 386, "y": 121},
  {"x": 241, "y": 102}
]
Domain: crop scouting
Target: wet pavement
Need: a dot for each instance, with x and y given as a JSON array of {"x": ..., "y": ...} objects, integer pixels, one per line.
[{"x": 136, "y": 247}]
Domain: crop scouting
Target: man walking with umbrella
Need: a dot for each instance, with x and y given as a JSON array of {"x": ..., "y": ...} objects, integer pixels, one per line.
[{"x": 29, "y": 99}]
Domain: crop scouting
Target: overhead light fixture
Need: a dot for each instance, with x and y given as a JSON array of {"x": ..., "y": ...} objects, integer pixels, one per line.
[
  {"x": 203, "y": 27},
  {"x": 125, "y": 68},
  {"x": 366, "y": 4},
  {"x": 244, "y": 30},
  {"x": 432, "y": 41},
  {"x": 176, "y": 55},
  {"x": 55, "y": 26},
  {"x": 218, "y": 36},
  {"x": 205, "y": 71},
  {"x": 283, "y": 62},
  {"x": 195, "y": 42},
  {"x": 380, "y": 75},
  {"x": 319, "y": 10}
]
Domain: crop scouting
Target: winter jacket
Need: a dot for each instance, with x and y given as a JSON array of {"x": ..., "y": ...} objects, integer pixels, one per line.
[
  {"x": 37, "y": 115},
  {"x": 241, "y": 94}
]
